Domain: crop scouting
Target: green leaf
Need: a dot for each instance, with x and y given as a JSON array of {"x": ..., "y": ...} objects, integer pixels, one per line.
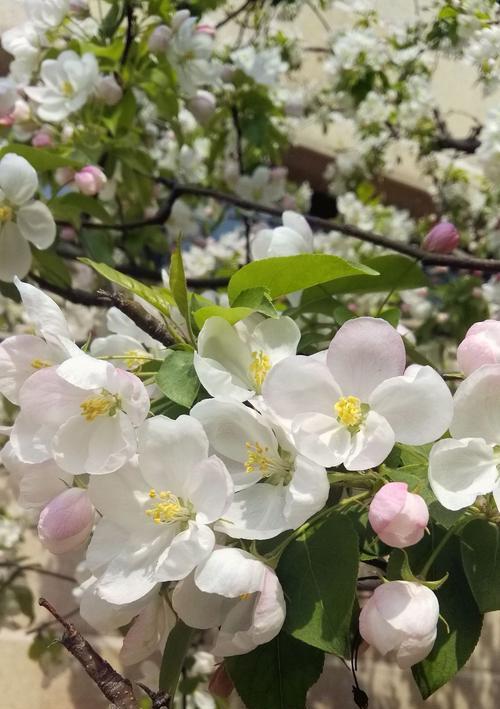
[
  {"x": 276, "y": 675},
  {"x": 25, "y": 601},
  {"x": 41, "y": 159},
  {"x": 177, "y": 378},
  {"x": 286, "y": 274},
  {"x": 178, "y": 643},
  {"x": 318, "y": 572},
  {"x": 457, "y": 606},
  {"x": 98, "y": 245},
  {"x": 232, "y": 315},
  {"x": 481, "y": 559},
  {"x": 70, "y": 208},
  {"x": 52, "y": 268},
  {"x": 178, "y": 286},
  {"x": 258, "y": 299},
  {"x": 160, "y": 298}
]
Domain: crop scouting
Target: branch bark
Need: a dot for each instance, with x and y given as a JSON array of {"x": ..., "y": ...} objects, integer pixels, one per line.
[{"x": 136, "y": 312}]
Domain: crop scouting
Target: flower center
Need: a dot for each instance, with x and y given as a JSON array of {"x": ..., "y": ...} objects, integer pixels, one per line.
[
  {"x": 349, "y": 411},
  {"x": 259, "y": 367},
  {"x": 40, "y": 364},
  {"x": 67, "y": 89},
  {"x": 275, "y": 469},
  {"x": 6, "y": 214},
  {"x": 169, "y": 508},
  {"x": 135, "y": 358},
  {"x": 104, "y": 404}
]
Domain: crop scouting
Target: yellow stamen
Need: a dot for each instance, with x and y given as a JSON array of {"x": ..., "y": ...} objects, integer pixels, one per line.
[
  {"x": 104, "y": 404},
  {"x": 171, "y": 509},
  {"x": 245, "y": 596},
  {"x": 259, "y": 460},
  {"x": 135, "y": 358},
  {"x": 40, "y": 364},
  {"x": 67, "y": 89},
  {"x": 259, "y": 367},
  {"x": 349, "y": 410},
  {"x": 6, "y": 213}
]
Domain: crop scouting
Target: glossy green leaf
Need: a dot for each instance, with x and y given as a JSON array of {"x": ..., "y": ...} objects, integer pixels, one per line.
[
  {"x": 176, "y": 648},
  {"x": 318, "y": 572},
  {"x": 177, "y": 378},
  {"x": 52, "y": 268},
  {"x": 480, "y": 542},
  {"x": 232, "y": 315},
  {"x": 286, "y": 274},
  {"x": 42, "y": 159},
  {"x": 276, "y": 675},
  {"x": 71, "y": 207}
]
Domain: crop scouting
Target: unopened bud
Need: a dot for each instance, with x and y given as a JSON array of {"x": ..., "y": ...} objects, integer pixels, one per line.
[
  {"x": 398, "y": 517},
  {"x": 442, "y": 238},
  {"x": 66, "y": 522},
  {"x": 42, "y": 139},
  {"x": 159, "y": 39},
  {"x": 90, "y": 180},
  {"x": 108, "y": 90},
  {"x": 202, "y": 106}
]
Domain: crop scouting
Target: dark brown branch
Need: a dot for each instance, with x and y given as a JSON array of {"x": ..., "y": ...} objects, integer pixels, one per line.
[
  {"x": 445, "y": 140},
  {"x": 234, "y": 14},
  {"x": 129, "y": 35},
  {"x": 151, "y": 325},
  {"x": 37, "y": 569},
  {"x": 115, "y": 688}
]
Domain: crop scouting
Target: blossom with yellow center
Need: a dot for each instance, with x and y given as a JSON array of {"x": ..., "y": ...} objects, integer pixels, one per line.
[
  {"x": 259, "y": 367},
  {"x": 104, "y": 404},
  {"x": 135, "y": 358},
  {"x": 6, "y": 213},
  {"x": 349, "y": 411},
  {"x": 40, "y": 363},
  {"x": 260, "y": 460},
  {"x": 67, "y": 89},
  {"x": 169, "y": 508}
]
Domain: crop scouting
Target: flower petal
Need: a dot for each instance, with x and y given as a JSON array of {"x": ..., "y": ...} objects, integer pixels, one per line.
[
  {"x": 255, "y": 513},
  {"x": 36, "y": 224},
  {"x": 321, "y": 438},
  {"x": 15, "y": 251},
  {"x": 307, "y": 492},
  {"x": 276, "y": 338},
  {"x": 187, "y": 550},
  {"x": 18, "y": 179},
  {"x": 477, "y": 405},
  {"x": 371, "y": 445}
]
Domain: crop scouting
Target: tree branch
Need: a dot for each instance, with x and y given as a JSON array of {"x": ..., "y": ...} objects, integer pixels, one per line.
[
  {"x": 115, "y": 688},
  {"x": 232, "y": 15},
  {"x": 129, "y": 36},
  {"x": 151, "y": 325}
]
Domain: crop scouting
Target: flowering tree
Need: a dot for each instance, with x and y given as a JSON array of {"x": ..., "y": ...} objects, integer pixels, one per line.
[{"x": 261, "y": 399}]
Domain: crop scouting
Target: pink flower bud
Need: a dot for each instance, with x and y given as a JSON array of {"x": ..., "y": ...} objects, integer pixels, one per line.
[
  {"x": 206, "y": 29},
  {"x": 159, "y": 39},
  {"x": 481, "y": 345},
  {"x": 400, "y": 620},
  {"x": 108, "y": 90},
  {"x": 202, "y": 106},
  {"x": 442, "y": 238},
  {"x": 398, "y": 517},
  {"x": 66, "y": 522},
  {"x": 42, "y": 139},
  {"x": 90, "y": 180},
  {"x": 67, "y": 233}
]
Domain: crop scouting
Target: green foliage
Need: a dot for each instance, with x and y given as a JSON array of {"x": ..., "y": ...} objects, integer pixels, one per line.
[
  {"x": 318, "y": 572},
  {"x": 41, "y": 159},
  {"x": 453, "y": 647},
  {"x": 480, "y": 544},
  {"x": 277, "y": 675},
  {"x": 178, "y": 287},
  {"x": 177, "y": 378},
  {"x": 178, "y": 643},
  {"x": 71, "y": 207},
  {"x": 52, "y": 268},
  {"x": 287, "y": 274}
]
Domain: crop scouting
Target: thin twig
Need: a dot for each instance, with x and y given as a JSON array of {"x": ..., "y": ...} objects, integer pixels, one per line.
[
  {"x": 38, "y": 570},
  {"x": 129, "y": 36},
  {"x": 232, "y": 15},
  {"x": 148, "y": 323}
]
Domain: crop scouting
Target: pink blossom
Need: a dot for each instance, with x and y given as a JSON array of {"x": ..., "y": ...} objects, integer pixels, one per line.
[
  {"x": 398, "y": 517},
  {"x": 66, "y": 522},
  {"x": 442, "y": 238},
  {"x": 481, "y": 345},
  {"x": 42, "y": 139},
  {"x": 90, "y": 180}
]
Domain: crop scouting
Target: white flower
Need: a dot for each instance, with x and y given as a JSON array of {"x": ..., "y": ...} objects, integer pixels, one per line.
[
  {"x": 400, "y": 620},
  {"x": 82, "y": 413},
  {"x": 465, "y": 466},
  {"x": 22, "y": 219},
  {"x": 23, "y": 42},
  {"x": 189, "y": 50},
  {"x": 156, "y": 519},
  {"x": 8, "y": 96},
  {"x": 68, "y": 82},
  {"x": 233, "y": 362},
  {"x": 46, "y": 13},
  {"x": 353, "y": 409},
  {"x": 265, "y": 185},
  {"x": 22, "y": 355},
  {"x": 237, "y": 593},
  {"x": 276, "y": 489},
  {"x": 294, "y": 237},
  {"x": 264, "y": 66}
]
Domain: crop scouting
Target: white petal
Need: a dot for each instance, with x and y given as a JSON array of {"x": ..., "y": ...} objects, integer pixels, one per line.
[
  {"x": 295, "y": 221},
  {"x": 297, "y": 385},
  {"x": 371, "y": 445},
  {"x": 17, "y": 355},
  {"x": 15, "y": 253},
  {"x": 230, "y": 573},
  {"x": 418, "y": 405},
  {"x": 460, "y": 470},
  {"x": 276, "y": 338},
  {"x": 187, "y": 550},
  {"x": 36, "y": 224},
  {"x": 47, "y": 399},
  {"x": 149, "y": 631},
  {"x": 219, "y": 382},
  {"x": 307, "y": 492},
  {"x": 477, "y": 405},
  {"x": 104, "y": 616},
  {"x": 218, "y": 342},
  {"x": 122, "y": 497},
  {"x": 363, "y": 353},
  {"x": 321, "y": 438},
  {"x": 210, "y": 490},
  {"x": 256, "y": 513},
  {"x": 43, "y": 312},
  {"x": 287, "y": 242},
  {"x": 195, "y": 608},
  {"x": 31, "y": 440},
  {"x": 106, "y": 542},
  {"x": 261, "y": 243},
  {"x": 18, "y": 179}
]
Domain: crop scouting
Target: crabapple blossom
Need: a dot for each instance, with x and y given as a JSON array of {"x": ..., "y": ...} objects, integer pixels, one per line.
[
  {"x": 232, "y": 591},
  {"x": 68, "y": 82},
  {"x": 202, "y": 105},
  {"x": 23, "y": 42},
  {"x": 156, "y": 518},
  {"x": 264, "y": 66},
  {"x": 233, "y": 362},
  {"x": 400, "y": 621},
  {"x": 159, "y": 39},
  {"x": 46, "y": 13},
  {"x": 90, "y": 180},
  {"x": 8, "y": 96},
  {"x": 22, "y": 219},
  {"x": 23, "y": 355},
  {"x": 264, "y": 185},
  {"x": 89, "y": 424},
  {"x": 294, "y": 237},
  {"x": 108, "y": 90},
  {"x": 465, "y": 466},
  {"x": 189, "y": 50},
  {"x": 398, "y": 517},
  {"x": 353, "y": 409},
  {"x": 481, "y": 345},
  {"x": 442, "y": 238},
  {"x": 276, "y": 488},
  {"x": 66, "y": 522}
]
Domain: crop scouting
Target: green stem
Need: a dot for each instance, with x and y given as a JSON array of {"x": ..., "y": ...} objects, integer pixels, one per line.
[
  {"x": 444, "y": 541},
  {"x": 174, "y": 655}
]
